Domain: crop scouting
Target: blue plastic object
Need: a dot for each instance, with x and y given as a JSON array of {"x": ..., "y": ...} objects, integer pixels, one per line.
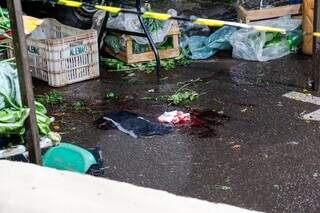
[
  {"x": 69, "y": 157},
  {"x": 202, "y": 47}
]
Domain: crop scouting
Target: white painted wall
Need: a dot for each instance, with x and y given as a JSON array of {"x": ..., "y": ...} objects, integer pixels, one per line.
[{"x": 27, "y": 188}]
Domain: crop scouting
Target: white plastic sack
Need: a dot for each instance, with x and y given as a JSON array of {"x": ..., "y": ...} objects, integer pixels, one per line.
[
  {"x": 250, "y": 45},
  {"x": 130, "y": 22},
  {"x": 9, "y": 86}
]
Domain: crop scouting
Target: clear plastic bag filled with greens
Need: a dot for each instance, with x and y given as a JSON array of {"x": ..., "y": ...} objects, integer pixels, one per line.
[{"x": 252, "y": 45}]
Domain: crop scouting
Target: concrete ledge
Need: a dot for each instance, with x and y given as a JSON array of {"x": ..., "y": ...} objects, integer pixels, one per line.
[{"x": 29, "y": 188}]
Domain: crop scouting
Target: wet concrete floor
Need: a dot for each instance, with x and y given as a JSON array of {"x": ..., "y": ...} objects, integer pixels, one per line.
[{"x": 263, "y": 158}]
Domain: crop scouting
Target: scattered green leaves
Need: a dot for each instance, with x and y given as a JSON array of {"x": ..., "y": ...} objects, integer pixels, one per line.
[
  {"x": 263, "y": 82},
  {"x": 110, "y": 96},
  {"x": 230, "y": 2},
  {"x": 51, "y": 98},
  {"x": 78, "y": 106},
  {"x": 223, "y": 188},
  {"x": 167, "y": 64},
  {"x": 183, "y": 97},
  {"x": 115, "y": 64}
]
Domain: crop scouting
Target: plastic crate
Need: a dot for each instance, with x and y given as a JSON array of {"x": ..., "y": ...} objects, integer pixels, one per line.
[{"x": 62, "y": 55}]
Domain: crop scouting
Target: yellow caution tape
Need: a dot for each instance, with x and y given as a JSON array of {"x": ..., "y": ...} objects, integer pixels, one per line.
[
  {"x": 159, "y": 16},
  {"x": 269, "y": 29},
  {"x": 316, "y": 34},
  {"x": 164, "y": 17},
  {"x": 69, "y": 3},
  {"x": 114, "y": 10},
  {"x": 209, "y": 22}
]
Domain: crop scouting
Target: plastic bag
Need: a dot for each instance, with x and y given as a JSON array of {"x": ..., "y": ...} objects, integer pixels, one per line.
[
  {"x": 9, "y": 87},
  {"x": 190, "y": 28},
  {"x": 115, "y": 43},
  {"x": 201, "y": 47},
  {"x": 130, "y": 22},
  {"x": 261, "y": 46}
]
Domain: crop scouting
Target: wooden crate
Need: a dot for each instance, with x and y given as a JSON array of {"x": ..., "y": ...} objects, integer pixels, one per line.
[
  {"x": 247, "y": 16},
  {"x": 129, "y": 57}
]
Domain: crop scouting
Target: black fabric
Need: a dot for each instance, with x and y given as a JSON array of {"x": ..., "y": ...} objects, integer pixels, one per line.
[
  {"x": 132, "y": 124},
  {"x": 11, "y": 140}
]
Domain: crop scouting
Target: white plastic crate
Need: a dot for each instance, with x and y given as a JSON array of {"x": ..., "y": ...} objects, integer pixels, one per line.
[{"x": 63, "y": 55}]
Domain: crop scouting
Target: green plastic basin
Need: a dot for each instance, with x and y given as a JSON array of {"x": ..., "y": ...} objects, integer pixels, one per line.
[{"x": 69, "y": 157}]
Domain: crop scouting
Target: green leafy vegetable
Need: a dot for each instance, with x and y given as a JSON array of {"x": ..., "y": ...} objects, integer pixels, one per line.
[
  {"x": 13, "y": 114},
  {"x": 110, "y": 96},
  {"x": 4, "y": 19},
  {"x": 167, "y": 64},
  {"x": 51, "y": 98},
  {"x": 183, "y": 97},
  {"x": 78, "y": 106}
]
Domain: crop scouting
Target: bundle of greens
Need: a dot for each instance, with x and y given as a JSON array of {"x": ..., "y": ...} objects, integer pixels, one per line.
[
  {"x": 13, "y": 114},
  {"x": 293, "y": 39},
  {"x": 114, "y": 42},
  {"x": 4, "y": 28},
  {"x": 183, "y": 97},
  {"x": 152, "y": 25},
  {"x": 4, "y": 21},
  {"x": 117, "y": 45}
]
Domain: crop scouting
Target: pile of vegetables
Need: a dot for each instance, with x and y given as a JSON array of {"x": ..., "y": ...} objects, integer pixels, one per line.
[
  {"x": 148, "y": 67},
  {"x": 183, "y": 97},
  {"x": 152, "y": 25},
  {"x": 293, "y": 39},
  {"x": 117, "y": 45},
  {"x": 116, "y": 42},
  {"x": 13, "y": 115},
  {"x": 4, "y": 21},
  {"x": 4, "y": 28}
]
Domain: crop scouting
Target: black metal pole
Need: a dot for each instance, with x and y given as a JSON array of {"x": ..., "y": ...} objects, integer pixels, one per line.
[
  {"x": 315, "y": 76},
  {"x": 151, "y": 42},
  {"x": 25, "y": 80}
]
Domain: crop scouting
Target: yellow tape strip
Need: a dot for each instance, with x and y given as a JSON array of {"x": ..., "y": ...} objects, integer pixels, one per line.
[
  {"x": 209, "y": 22},
  {"x": 269, "y": 29},
  {"x": 69, "y": 3},
  {"x": 164, "y": 17},
  {"x": 159, "y": 16},
  {"x": 109, "y": 9},
  {"x": 316, "y": 34}
]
